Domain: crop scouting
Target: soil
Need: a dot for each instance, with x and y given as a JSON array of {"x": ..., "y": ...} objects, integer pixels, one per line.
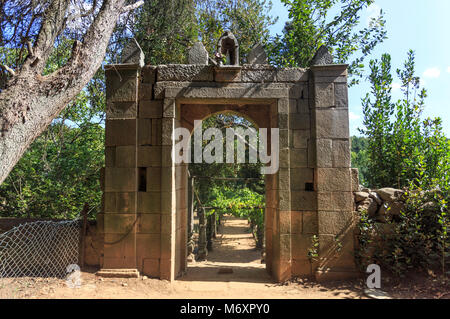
[{"x": 233, "y": 269}]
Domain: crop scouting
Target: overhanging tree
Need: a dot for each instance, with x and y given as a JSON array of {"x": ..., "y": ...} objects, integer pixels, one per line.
[{"x": 30, "y": 99}]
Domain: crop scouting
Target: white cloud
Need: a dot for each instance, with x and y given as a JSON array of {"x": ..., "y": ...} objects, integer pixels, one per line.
[
  {"x": 432, "y": 73},
  {"x": 448, "y": 69},
  {"x": 353, "y": 116},
  {"x": 396, "y": 86},
  {"x": 373, "y": 12}
]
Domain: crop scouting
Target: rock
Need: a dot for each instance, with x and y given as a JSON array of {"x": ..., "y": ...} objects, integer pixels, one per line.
[
  {"x": 373, "y": 208},
  {"x": 366, "y": 190},
  {"x": 132, "y": 53},
  {"x": 198, "y": 54},
  {"x": 257, "y": 55},
  {"x": 376, "y": 198},
  {"x": 360, "y": 196},
  {"x": 368, "y": 205},
  {"x": 383, "y": 210},
  {"x": 322, "y": 57},
  {"x": 389, "y": 194}
]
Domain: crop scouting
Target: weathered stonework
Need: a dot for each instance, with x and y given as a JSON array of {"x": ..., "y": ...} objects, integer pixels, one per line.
[{"x": 144, "y": 222}]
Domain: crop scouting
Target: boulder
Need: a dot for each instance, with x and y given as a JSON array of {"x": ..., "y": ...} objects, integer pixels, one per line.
[
  {"x": 368, "y": 205},
  {"x": 376, "y": 198},
  {"x": 360, "y": 196},
  {"x": 389, "y": 194}
]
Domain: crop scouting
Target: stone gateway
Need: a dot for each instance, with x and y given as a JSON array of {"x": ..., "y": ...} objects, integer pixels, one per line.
[{"x": 309, "y": 201}]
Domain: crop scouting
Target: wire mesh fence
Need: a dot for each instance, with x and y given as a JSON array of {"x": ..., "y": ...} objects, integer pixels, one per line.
[{"x": 40, "y": 249}]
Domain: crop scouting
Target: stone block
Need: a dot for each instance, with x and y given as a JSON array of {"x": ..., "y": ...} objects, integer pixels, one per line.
[
  {"x": 285, "y": 222},
  {"x": 333, "y": 179},
  {"x": 299, "y": 121},
  {"x": 335, "y": 223},
  {"x": 121, "y": 88},
  {"x": 355, "y": 179},
  {"x": 151, "y": 109},
  {"x": 324, "y": 152},
  {"x": 169, "y": 107},
  {"x": 150, "y": 224},
  {"x": 300, "y": 245},
  {"x": 341, "y": 153},
  {"x": 110, "y": 156},
  {"x": 120, "y": 132},
  {"x": 228, "y": 75},
  {"x": 198, "y": 54},
  {"x": 296, "y": 222},
  {"x": 156, "y": 132},
  {"x": 258, "y": 76},
  {"x": 301, "y": 201},
  {"x": 145, "y": 92},
  {"x": 301, "y": 267},
  {"x": 118, "y": 223},
  {"x": 149, "y": 156},
  {"x": 144, "y": 132},
  {"x": 150, "y": 267},
  {"x": 153, "y": 179},
  {"x": 324, "y": 95},
  {"x": 168, "y": 126},
  {"x": 120, "y": 203},
  {"x": 310, "y": 223},
  {"x": 300, "y": 138},
  {"x": 148, "y": 74},
  {"x": 332, "y": 123},
  {"x": 125, "y": 156},
  {"x": 283, "y": 105},
  {"x": 292, "y": 75},
  {"x": 121, "y": 110},
  {"x": 120, "y": 179},
  {"x": 301, "y": 176},
  {"x": 185, "y": 72},
  {"x": 335, "y": 201},
  {"x": 284, "y": 202},
  {"x": 341, "y": 94},
  {"x": 299, "y": 158},
  {"x": 149, "y": 202}
]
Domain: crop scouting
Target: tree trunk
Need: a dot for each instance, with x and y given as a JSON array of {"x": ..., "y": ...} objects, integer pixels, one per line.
[{"x": 31, "y": 101}]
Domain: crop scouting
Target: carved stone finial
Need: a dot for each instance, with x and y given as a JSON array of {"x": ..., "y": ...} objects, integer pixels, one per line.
[
  {"x": 322, "y": 57},
  {"x": 228, "y": 47},
  {"x": 198, "y": 54},
  {"x": 257, "y": 55},
  {"x": 132, "y": 53}
]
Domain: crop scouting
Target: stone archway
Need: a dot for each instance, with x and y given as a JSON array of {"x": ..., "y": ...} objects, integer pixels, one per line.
[{"x": 310, "y": 195}]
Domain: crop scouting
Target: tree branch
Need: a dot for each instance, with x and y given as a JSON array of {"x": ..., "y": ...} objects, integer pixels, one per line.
[
  {"x": 132, "y": 6},
  {"x": 8, "y": 69}
]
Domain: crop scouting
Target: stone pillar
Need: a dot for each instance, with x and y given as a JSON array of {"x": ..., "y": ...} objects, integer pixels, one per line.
[
  {"x": 332, "y": 174},
  {"x": 281, "y": 238},
  {"x": 120, "y": 218}
]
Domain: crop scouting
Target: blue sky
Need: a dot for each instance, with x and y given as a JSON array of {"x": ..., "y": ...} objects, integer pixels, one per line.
[{"x": 423, "y": 26}]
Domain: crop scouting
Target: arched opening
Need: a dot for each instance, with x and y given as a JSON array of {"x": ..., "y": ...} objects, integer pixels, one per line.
[{"x": 229, "y": 194}]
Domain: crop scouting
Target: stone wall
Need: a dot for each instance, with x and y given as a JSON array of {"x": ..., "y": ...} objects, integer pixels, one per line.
[{"x": 144, "y": 222}]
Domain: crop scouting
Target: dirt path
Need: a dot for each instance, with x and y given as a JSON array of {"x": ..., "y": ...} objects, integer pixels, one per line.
[{"x": 234, "y": 249}]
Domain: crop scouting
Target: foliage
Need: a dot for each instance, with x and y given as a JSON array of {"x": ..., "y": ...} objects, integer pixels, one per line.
[
  {"x": 163, "y": 28},
  {"x": 242, "y": 203},
  {"x": 242, "y": 198},
  {"x": 406, "y": 151},
  {"x": 248, "y": 20},
  {"x": 311, "y": 27},
  {"x": 402, "y": 148},
  {"x": 359, "y": 157},
  {"x": 61, "y": 169}
]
